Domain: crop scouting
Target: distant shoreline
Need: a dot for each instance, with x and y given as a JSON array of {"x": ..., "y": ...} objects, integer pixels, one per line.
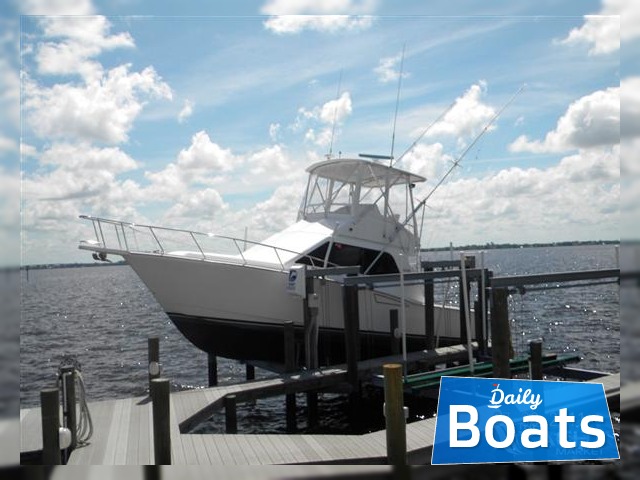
[
  {"x": 494, "y": 246},
  {"x": 486, "y": 246}
]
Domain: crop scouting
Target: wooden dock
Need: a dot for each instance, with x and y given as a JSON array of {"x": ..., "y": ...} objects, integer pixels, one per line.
[
  {"x": 123, "y": 428},
  {"x": 123, "y": 434}
]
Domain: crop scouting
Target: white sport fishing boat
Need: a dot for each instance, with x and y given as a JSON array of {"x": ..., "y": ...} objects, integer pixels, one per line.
[{"x": 230, "y": 297}]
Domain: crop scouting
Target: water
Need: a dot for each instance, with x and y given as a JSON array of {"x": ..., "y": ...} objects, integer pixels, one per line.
[{"x": 104, "y": 315}]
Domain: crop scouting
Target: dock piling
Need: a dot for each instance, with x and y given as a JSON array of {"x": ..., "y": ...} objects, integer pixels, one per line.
[
  {"x": 153, "y": 355},
  {"x": 351, "y": 331},
  {"x": 535, "y": 359},
  {"x": 151, "y": 472},
  {"x": 50, "y": 408},
  {"x": 230, "y": 414},
  {"x": 394, "y": 415},
  {"x": 251, "y": 372},
  {"x": 500, "y": 333},
  {"x": 161, "y": 421},
  {"x": 289, "y": 366}
]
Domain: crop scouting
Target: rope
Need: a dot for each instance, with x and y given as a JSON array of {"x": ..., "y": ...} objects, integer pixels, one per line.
[{"x": 84, "y": 428}]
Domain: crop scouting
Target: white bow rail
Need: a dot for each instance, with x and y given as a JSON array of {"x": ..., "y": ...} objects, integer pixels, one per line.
[{"x": 120, "y": 238}]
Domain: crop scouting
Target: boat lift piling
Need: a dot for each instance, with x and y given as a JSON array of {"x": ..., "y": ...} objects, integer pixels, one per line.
[
  {"x": 501, "y": 350},
  {"x": 289, "y": 366}
]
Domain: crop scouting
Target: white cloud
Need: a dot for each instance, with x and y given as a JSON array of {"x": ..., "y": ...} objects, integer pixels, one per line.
[
  {"x": 274, "y": 132},
  {"x": 203, "y": 155},
  {"x": 7, "y": 144},
  {"x": 289, "y": 24},
  {"x": 81, "y": 39},
  {"x": 27, "y": 150},
  {"x": 83, "y": 157},
  {"x": 75, "y": 172},
  {"x": 336, "y": 110},
  {"x": 577, "y": 199},
  {"x": 9, "y": 76},
  {"x": 186, "y": 112},
  {"x": 322, "y": 119},
  {"x": 275, "y": 213},
  {"x": 428, "y": 160},
  {"x": 630, "y": 107},
  {"x": 270, "y": 163},
  {"x": 618, "y": 20},
  {"x": 201, "y": 204},
  {"x": 590, "y": 121},
  {"x": 56, "y": 7},
  {"x": 294, "y": 16},
  {"x": 468, "y": 115},
  {"x": 102, "y": 111},
  {"x": 386, "y": 69}
]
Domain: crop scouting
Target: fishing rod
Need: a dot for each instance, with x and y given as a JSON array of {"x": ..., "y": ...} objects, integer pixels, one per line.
[
  {"x": 395, "y": 117},
  {"x": 335, "y": 116},
  {"x": 424, "y": 132},
  {"x": 453, "y": 166},
  {"x": 464, "y": 153}
]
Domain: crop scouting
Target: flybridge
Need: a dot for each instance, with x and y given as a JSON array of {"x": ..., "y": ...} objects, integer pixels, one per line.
[{"x": 338, "y": 183}]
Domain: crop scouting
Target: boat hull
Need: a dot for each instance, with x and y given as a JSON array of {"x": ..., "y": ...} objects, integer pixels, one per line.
[
  {"x": 265, "y": 342},
  {"x": 238, "y": 311}
]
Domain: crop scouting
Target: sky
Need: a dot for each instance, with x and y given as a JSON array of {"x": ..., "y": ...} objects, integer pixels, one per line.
[{"x": 206, "y": 117}]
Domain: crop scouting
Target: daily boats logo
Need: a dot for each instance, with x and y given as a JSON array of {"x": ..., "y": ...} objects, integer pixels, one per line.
[{"x": 483, "y": 420}]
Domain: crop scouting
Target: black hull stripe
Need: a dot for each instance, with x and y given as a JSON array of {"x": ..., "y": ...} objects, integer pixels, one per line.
[{"x": 257, "y": 341}]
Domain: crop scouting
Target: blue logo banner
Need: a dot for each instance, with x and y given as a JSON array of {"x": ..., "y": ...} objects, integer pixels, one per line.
[{"x": 486, "y": 420}]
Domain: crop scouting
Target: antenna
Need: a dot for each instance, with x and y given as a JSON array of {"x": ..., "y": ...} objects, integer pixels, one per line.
[
  {"x": 335, "y": 116},
  {"x": 395, "y": 116}
]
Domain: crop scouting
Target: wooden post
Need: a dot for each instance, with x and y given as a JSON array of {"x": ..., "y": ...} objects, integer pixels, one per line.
[
  {"x": 161, "y": 421},
  {"x": 351, "y": 331},
  {"x": 151, "y": 472},
  {"x": 535, "y": 359},
  {"x": 289, "y": 366},
  {"x": 312, "y": 408},
  {"x": 230, "y": 415},
  {"x": 394, "y": 415},
  {"x": 429, "y": 314},
  {"x": 500, "y": 333},
  {"x": 212, "y": 364},
  {"x": 50, "y": 412},
  {"x": 251, "y": 372},
  {"x": 393, "y": 328},
  {"x": 153, "y": 355},
  {"x": 69, "y": 408}
]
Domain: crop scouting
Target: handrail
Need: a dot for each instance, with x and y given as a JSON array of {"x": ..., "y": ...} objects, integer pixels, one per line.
[{"x": 100, "y": 237}]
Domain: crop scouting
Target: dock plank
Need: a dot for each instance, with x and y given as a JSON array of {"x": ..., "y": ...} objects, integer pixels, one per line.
[
  {"x": 122, "y": 441},
  {"x": 177, "y": 448},
  {"x": 236, "y": 450}
]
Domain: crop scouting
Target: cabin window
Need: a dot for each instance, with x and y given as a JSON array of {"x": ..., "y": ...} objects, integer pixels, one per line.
[{"x": 348, "y": 255}]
